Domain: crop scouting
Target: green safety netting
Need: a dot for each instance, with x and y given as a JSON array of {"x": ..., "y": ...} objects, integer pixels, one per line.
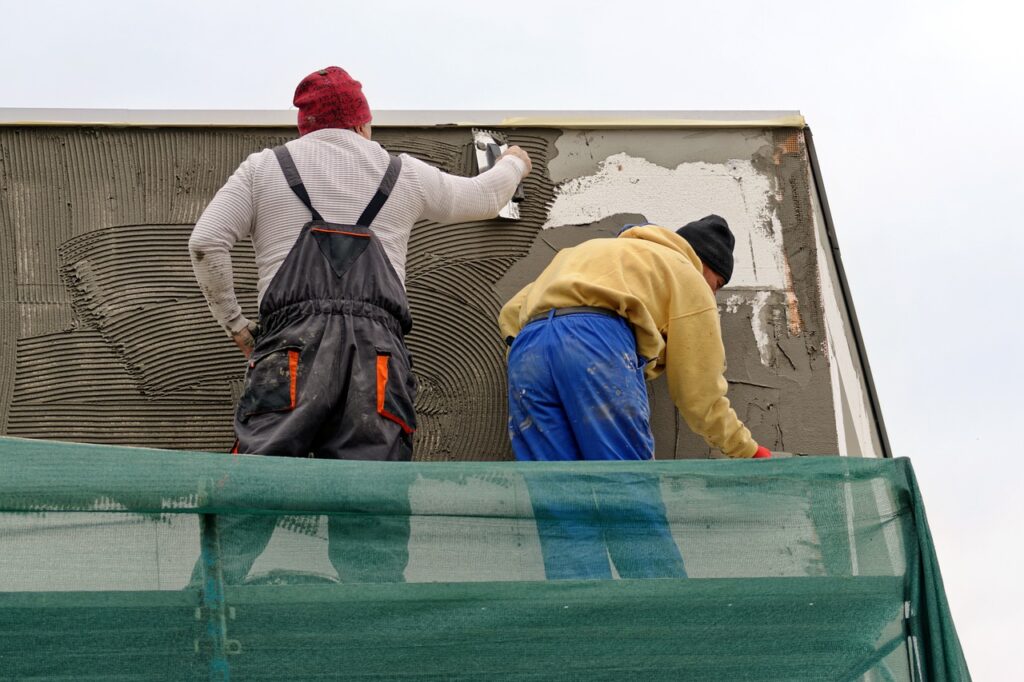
[{"x": 122, "y": 563}]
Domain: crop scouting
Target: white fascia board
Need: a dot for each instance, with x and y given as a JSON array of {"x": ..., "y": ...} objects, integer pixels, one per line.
[{"x": 234, "y": 118}]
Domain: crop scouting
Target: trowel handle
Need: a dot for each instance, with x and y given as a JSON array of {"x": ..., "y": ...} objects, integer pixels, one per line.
[
  {"x": 519, "y": 194},
  {"x": 493, "y": 154}
]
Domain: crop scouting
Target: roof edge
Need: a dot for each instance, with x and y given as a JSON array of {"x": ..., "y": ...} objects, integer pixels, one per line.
[{"x": 272, "y": 118}]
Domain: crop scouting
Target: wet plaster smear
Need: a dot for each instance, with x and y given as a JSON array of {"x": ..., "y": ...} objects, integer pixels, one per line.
[{"x": 105, "y": 336}]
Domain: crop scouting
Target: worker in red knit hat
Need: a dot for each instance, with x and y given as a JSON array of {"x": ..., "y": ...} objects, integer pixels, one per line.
[
  {"x": 330, "y": 215},
  {"x": 330, "y": 98}
]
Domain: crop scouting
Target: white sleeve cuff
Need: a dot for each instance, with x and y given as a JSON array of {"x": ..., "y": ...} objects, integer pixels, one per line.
[
  {"x": 235, "y": 325},
  {"x": 519, "y": 164}
]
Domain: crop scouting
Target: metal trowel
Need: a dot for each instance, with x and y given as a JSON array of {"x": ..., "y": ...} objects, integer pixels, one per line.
[{"x": 489, "y": 146}]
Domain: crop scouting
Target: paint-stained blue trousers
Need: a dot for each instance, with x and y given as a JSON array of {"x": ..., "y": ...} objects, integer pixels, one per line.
[{"x": 577, "y": 392}]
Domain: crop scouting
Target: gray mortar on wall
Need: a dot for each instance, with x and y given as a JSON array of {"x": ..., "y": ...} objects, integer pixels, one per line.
[
  {"x": 581, "y": 151},
  {"x": 780, "y": 386},
  {"x": 8, "y": 287},
  {"x": 114, "y": 342}
]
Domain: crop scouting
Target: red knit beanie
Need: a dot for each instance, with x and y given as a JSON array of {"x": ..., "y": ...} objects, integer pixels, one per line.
[{"x": 330, "y": 98}]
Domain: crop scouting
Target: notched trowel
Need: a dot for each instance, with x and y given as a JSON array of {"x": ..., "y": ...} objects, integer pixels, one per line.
[{"x": 489, "y": 147}]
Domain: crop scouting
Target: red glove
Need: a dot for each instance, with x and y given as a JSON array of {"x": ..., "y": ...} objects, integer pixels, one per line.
[{"x": 762, "y": 453}]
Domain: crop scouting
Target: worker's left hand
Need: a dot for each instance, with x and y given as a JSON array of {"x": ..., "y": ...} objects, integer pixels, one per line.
[
  {"x": 762, "y": 453},
  {"x": 245, "y": 340}
]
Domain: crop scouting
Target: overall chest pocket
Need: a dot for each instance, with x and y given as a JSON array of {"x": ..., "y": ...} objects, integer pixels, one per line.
[
  {"x": 341, "y": 245},
  {"x": 271, "y": 382}
]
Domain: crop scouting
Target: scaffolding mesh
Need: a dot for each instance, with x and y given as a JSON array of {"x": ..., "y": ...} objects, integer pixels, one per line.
[{"x": 120, "y": 563}]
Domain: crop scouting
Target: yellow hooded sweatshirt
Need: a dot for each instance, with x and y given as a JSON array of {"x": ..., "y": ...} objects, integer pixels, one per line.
[{"x": 652, "y": 277}]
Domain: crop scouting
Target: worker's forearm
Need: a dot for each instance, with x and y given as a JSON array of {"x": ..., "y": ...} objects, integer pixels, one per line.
[
  {"x": 695, "y": 358},
  {"x": 212, "y": 267},
  {"x": 720, "y": 427},
  {"x": 479, "y": 198},
  {"x": 226, "y": 219}
]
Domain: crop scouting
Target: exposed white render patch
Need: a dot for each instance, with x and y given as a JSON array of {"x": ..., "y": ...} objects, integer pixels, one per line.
[
  {"x": 757, "y": 324},
  {"x": 669, "y": 197},
  {"x": 759, "y": 312}
]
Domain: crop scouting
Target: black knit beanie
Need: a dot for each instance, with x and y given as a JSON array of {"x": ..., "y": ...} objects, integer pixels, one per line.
[{"x": 711, "y": 238}]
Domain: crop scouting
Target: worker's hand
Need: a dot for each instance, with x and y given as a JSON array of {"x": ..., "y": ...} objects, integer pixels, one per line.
[
  {"x": 762, "y": 453},
  {"x": 245, "y": 340},
  {"x": 519, "y": 153}
]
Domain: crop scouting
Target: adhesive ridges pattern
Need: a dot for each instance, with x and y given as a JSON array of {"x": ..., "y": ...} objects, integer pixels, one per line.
[
  {"x": 458, "y": 352},
  {"x": 150, "y": 315},
  {"x": 116, "y": 343}
]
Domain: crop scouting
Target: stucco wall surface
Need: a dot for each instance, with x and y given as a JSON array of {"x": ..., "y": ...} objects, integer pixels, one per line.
[{"x": 105, "y": 336}]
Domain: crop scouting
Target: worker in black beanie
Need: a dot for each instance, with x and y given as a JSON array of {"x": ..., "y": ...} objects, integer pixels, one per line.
[
  {"x": 712, "y": 239},
  {"x": 645, "y": 298},
  {"x": 600, "y": 319}
]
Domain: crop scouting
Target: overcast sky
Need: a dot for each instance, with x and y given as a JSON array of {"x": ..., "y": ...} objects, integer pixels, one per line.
[{"x": 914, "y": 107}]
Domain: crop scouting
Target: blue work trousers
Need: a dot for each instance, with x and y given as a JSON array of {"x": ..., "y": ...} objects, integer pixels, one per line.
[{"x": 577, "y": 392}]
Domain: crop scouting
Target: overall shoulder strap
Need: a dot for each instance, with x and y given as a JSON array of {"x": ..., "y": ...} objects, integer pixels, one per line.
[
  {"x": 291, "y": 174},
  {"x": 383, "y": 192}
]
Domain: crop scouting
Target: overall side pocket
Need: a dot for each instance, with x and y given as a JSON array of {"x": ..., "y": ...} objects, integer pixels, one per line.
[
  {"x": 395, "y": 391},
  {"x": 271, "y": 382}
]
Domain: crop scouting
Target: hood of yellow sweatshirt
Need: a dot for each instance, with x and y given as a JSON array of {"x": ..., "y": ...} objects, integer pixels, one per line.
[{"x": 664, "y": 237}]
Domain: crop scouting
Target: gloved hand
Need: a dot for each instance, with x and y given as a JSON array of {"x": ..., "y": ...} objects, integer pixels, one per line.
[{"x": 762, "y": 453}]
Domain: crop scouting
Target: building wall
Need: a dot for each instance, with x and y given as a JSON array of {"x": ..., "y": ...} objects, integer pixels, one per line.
[{"x": 106, "y": 337}]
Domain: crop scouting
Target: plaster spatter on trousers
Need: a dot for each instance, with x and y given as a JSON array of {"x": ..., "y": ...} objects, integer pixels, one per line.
[{"x": 330, "y": 375}]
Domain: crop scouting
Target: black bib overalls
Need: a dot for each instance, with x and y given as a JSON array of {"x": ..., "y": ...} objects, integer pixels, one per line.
[{"x": 330, "y": 375}]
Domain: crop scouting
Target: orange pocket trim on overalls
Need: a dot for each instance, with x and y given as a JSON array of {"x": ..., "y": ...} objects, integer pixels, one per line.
[
  {"x": 382, "y": 388},
  {"x": 293, "y": 376},
  {"x": 350, "y": 234}
]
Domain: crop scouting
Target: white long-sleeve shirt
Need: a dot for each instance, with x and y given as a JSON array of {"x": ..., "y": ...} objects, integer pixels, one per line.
[{"x": 341, "y": 171}]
